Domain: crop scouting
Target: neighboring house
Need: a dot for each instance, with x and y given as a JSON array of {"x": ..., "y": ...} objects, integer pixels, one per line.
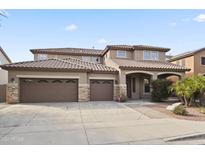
[
  {"x": 4, "y": 59},
  {"x": 195, "y": 60},
  {"x": 74, "y": 74}
]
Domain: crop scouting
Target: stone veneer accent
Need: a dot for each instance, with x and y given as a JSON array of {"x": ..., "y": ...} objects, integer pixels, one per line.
[
  {"x": 12, "y": 93},
  {"x": 119, "y": 89},
  {"x": 83, "y": 92}
]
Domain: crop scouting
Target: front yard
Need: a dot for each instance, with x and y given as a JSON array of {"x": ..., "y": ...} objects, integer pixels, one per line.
[{"x": 193, "y": 112}]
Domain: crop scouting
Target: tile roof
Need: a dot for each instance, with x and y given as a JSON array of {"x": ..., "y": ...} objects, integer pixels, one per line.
[
  {"x": 59, "y": 65},
  {"x": 5, "y": 55},
  {"x": 148, "y": 65},
  {"x": 90, "y": 65},
  {"x": 134, "y": 47},
  {"x": 185, "y": 54},
  {"x": 148, "y": 47},
  {"x": 74, "y": 51}
]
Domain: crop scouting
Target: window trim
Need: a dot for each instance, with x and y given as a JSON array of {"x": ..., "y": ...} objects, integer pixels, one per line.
[
  {"x": 150, "y": 53},
  {"x": 201, "y": 60},
  {"x": 117, "y": 54}
]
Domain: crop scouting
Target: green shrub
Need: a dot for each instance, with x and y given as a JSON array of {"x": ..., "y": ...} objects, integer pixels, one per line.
[
  {"x": 160, "y": 89},
  {"x": 180, "y": 110},
  {"x": 202, "y": 110}
]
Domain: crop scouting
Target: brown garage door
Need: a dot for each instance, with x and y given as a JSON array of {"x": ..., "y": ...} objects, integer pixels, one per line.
[
  {"x": 101, "y": 90},
  {"x": 48, "y": 90}
]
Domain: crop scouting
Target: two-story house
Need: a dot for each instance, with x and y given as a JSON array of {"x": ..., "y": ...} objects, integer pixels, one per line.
[
  {"x": 4, "y": 59},
  {"x": 195, "y": 60},
  {"x": 75, "y": 74}
]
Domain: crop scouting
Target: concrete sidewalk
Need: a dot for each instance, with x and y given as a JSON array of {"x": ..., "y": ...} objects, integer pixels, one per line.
[{"x": 88, "y": 123}]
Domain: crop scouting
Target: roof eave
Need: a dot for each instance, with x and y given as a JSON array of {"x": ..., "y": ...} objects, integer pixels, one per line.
[
  {"x": 43, "y": 69},
  {"x": 152, "y": 69}
]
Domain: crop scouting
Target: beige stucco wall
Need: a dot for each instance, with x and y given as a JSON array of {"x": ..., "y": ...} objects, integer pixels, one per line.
[
  {"x": 133, "y": 55},
  {"x": 3, "y": 59},
  {"x": 187, "y": 62},
  {"x": 29, "y": 74},
  {"x": 198, "y": 68},
  {"x": 3, "y": 76},
  {"x": 113, "y": 54},
  {"x": 13, "y": 88},
  {"x": 138, "y": 55},
  {"x": 3, "y": 73}
]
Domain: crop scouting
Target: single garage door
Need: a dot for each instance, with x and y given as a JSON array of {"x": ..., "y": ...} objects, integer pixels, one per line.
[
  {"x": 101, "y": 90},
  {"x": 48, "y": 90}
]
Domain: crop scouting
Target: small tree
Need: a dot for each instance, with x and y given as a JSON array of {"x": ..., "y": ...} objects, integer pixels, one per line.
[
  {"x": 190, "y": 88},
  {"x": 160, "y": 89}
]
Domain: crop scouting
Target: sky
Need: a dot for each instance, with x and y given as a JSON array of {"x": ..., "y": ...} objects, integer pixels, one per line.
[{"x": 180, "y": 30}]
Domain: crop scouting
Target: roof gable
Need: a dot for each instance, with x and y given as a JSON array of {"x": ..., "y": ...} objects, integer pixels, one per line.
[
  {"x": 5, "y": 55},
  {"x": 186, "y": 54}
]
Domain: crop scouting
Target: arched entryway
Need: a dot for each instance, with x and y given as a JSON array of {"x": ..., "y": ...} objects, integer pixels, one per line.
[
  {"x": 173, "y": 76},
  {"x": 138, "y": 84}
]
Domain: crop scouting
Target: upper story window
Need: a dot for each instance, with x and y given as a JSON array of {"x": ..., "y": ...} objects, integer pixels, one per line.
[
  {"x": 121, "y": 54},
  {"x": 151, "y": 55},
  {"x": 42, "y": 57},
  {"x": 202, "y": 60}
]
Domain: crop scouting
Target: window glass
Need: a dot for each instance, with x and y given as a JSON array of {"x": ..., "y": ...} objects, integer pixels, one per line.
[
  {"x": 202, "y": 60},
  {"x": 42, "y": 57},
  {"x": 121, "y": 54},
  {"x": 151, "y": 55},
  {"x": 146, "y": 85}
]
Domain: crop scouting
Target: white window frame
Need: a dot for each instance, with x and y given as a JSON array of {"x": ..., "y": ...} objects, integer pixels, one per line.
[
  {"x": 42, "y": 56},
  {"x": 121, "y": 56},
  {"x": 150, "y": 55}
]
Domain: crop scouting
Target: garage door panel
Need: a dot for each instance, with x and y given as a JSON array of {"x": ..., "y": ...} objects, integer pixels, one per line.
[
  {"x": 48, "y": 90},
  {"x": 101, "y": 90}
]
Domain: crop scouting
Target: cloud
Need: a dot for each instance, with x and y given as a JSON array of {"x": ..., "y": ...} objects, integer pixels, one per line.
[
  {"x": 200, "y": 18},
  {"x": 71, "y": 27},
  {"x": 102, "y": 41},
  {"x": 173, "y": 24}
]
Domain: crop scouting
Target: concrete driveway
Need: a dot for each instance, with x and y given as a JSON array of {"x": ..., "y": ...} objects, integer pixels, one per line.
[{"x": 88, "y": 123}]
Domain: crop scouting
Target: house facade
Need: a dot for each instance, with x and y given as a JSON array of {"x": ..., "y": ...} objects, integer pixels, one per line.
[
  {"x": 75, "y": 74},
  {"x": 4, "y": 59},
  {"x": 195, "y": 60}
]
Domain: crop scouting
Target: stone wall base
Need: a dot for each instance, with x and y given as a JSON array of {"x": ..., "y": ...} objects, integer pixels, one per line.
[
  {"x": 120, "y": 90},
  {"x": 83, "y": 92},
  {"x": 12, "y": 93}
]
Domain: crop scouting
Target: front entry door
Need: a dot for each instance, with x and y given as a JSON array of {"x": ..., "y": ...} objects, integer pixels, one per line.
[{"x": 129, "y": 92}]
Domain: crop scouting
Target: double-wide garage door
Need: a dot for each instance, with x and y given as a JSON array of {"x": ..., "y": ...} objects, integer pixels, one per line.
[
  {"x": 101, "y": 90},
  {"x": 48, "y": 90}
]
